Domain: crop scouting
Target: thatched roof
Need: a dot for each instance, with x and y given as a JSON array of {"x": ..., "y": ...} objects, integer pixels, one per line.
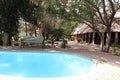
[
  {"x": 82, "y": 28},
  {"x": 115, "y": 27},
  {"x": 85, "y": 29},
  {"x": 76, "y": 29}
]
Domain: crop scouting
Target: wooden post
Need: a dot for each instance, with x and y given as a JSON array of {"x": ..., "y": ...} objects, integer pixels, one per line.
[
  {"x": 93, "y": 38},
  {"x": 116, "y": 37},
  {"x": 116, "y": 42},
  {"x": 76, "y": 38},
  {"x": 82, "y": 38},
  {"x": 89, "y": 38},
  {"x": 85, "y": 37}
]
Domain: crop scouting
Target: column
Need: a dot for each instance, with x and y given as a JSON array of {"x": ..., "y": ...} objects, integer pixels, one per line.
[
  {"x": 85, "y": 37},
  {"x": 116, "y": 37},
  {"x": 82, "y": 38},
  {"x": 93, "y": 38},
  {"x": 89, "y": 38}
]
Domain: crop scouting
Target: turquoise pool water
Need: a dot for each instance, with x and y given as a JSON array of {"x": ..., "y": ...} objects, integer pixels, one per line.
[{"x": 42, "y": 64}]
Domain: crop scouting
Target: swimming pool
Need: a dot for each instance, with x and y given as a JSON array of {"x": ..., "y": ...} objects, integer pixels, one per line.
[{"x": 43, "y": 64}]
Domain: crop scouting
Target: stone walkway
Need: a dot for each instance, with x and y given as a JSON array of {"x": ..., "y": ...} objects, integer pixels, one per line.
[{"x": 93, "y": 51}]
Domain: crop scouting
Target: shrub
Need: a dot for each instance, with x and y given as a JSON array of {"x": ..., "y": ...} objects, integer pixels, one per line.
[
  {"x": 48, "y": 41},
  {"x": 64, "y": 42}
]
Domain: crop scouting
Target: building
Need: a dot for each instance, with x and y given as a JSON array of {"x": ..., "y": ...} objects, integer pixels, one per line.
[{"x": 84, "y": 34}]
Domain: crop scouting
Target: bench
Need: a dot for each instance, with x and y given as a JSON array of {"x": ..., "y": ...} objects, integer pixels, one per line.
[{"x": 31, "y": 40}]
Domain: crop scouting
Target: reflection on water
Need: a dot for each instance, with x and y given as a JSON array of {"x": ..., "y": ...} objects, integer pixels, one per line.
[{"x": 42, "y": 64}]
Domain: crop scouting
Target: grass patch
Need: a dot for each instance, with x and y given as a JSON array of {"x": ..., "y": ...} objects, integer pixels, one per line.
[
  {"x": 116, "y": 49},
  {"x": 115, "y": 45}
]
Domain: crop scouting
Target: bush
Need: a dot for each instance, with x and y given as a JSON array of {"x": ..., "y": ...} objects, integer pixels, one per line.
[
  {"x": 48, "y": 41},
  {"x": 64, "y": 42},
  {"x": 115, "y": 45}
]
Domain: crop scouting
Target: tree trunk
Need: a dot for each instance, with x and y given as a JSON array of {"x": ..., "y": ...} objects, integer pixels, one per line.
[
  {"x": 102, "y": 43},
  {"x": 5, "y": 39},
  {"x": 26, "y": 30},
  {"x": 35, "y": 32},
  {"x": 108, "y": 41}
]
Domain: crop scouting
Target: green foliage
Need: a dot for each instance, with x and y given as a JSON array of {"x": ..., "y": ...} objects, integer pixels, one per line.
[
  {"x": 10, "y": 13},
  {"x": 57, "y": 33},
  {"x": 68, "y": 27},
  {"x": 28, "y": 11},
  {"x": 64, "y": 43},
  {"x": 12, "y": 10},
  {"x": 115, "y": 45},
  {"x": 47, "y": 41},
  {"x": 9, "y": 16}
]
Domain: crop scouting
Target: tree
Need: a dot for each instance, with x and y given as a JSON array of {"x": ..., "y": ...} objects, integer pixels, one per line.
[
  {"x": 57, "y": 33},
  {"x": 9, "y": 16},
  {"x": 91, "y": 12},
  {"x": 10, "y": 13},
  {"x": 28, "y": 13},
  {"x": 68, "y": 27},
  {"x": 45, "y": 20},
  {"x": 104, "y": 12}
]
